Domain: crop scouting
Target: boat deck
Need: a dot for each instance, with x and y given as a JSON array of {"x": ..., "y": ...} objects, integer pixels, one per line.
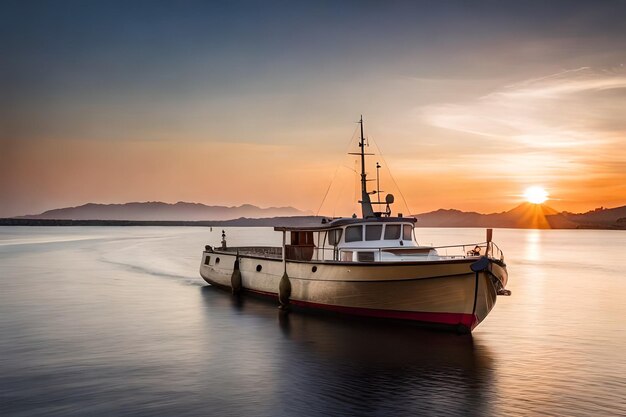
[
  {"x": 311, "y": 254},
  {"x": 256, "y": 251}
]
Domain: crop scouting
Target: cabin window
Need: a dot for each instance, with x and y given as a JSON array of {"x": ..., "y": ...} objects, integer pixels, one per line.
[
  {"x": 406, "y": 232},
  {"x": 334, "y": 236},
  {"x": 365, "y": 256},
  {"x": 373, "y": 231},
  {"x": 346, "y": 256},
  {"x": 207, "y": 260},
  {"x": 354, "y": 233},
  {"x": 302, "y": 238},
  {"x": 392, "y": 232}
]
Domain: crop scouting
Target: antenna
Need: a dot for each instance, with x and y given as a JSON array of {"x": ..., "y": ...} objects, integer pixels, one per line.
[
  {"x": 366, "y": 203},
  {"x": 378, "y": 181},
  {"x": 362, "y": 145}
]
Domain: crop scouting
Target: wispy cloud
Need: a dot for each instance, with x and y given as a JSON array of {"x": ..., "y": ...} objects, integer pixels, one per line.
[
  {"x": 556, "y": 111},
  {"x": 565, "y": 129}
]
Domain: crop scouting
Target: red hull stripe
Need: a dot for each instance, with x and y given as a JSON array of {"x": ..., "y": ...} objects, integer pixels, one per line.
[{"x": 468, "y": 320}]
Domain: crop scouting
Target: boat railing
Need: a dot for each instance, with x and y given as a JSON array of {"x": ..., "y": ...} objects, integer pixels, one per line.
[
  {"x": 352, "y": 254},
  {"x": 489, "y": 249},
  {"x": 262, "y": 251},
  {"x": 467, "y": 250},
  {"x": 495, "y": 252}
]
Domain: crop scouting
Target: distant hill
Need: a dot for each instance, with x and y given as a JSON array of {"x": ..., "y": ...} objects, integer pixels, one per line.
[
  {"x": 290, "y": 221},
  {"x": 524, "y": 216},
  {"x": 598, "y": 217},
  {"x": 527, "y": 216},
  {"x": 157, "y": 211}
]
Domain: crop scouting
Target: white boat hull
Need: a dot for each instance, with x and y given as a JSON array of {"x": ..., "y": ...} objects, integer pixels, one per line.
[{"x": 445, "y": 292}]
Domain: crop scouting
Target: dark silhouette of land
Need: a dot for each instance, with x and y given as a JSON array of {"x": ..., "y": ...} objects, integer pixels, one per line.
[
  {"x": 525, "y": 216},
  {"x": 158, "y": 211},
  {"x": 263, "y": 222}
]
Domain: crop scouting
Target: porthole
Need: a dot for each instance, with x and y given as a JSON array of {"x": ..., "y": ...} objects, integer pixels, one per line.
[
  {"x": 217, "y": 261},
  {"x": 258, "y": 268},
  {"x": 314, "y": 269}
]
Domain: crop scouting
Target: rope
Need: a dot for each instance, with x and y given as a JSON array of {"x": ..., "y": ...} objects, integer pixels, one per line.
[
  {"x": 391, "y": 176},
  {"x": 337, "y": 200},
  {"x": 335, "y": 175},
  {"x": 327, "y": 190}
]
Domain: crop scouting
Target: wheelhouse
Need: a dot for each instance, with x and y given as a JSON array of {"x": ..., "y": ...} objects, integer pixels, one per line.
[{"x": 356, "y": 240}]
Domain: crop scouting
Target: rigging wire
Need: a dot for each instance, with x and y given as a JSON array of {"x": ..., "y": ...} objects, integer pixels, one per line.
[
  {"x": 335, "y": 174},
  {"x": 340, "y": 165},
  {"x": 343, "y": 186},
  {"x": 380, "y": 151},
  {"x": 327, "y": 190},
  {"x": 337, "y": 200}
]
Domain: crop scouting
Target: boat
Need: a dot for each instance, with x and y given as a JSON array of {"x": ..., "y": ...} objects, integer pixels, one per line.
[{"x": 370, "y": 266}]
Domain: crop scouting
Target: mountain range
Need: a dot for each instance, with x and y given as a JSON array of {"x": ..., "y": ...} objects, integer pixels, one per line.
[
  {"x": 156, "y": 211},
  {"x": 526, "y": 215}
]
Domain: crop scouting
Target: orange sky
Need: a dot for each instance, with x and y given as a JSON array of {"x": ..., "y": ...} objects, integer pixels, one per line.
[
  {"x": 477, "y": 155},
  {"x": 470, "y": 107}
]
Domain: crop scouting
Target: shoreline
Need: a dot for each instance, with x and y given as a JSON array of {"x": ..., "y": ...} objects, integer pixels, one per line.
[
  {"x": 244, "y": 222},
  {"x": 268, "y": 222}
]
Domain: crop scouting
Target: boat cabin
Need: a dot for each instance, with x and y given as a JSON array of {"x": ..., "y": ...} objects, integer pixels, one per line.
[{"x": 355, "y": 240}]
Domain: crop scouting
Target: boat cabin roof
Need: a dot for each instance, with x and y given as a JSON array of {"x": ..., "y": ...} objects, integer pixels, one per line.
[{"x": 333, "y": 224}]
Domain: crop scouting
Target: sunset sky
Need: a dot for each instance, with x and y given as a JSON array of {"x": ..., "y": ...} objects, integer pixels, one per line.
[{"x": 227, "y": 103}]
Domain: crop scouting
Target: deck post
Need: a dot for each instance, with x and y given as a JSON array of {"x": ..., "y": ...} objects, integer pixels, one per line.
[
  {"x": 284, "y": 255},
  {"x": 284, "y": 287}
]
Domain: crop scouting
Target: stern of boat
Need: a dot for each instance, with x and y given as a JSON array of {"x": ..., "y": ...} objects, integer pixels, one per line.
[{"x": 216, "y": 268}]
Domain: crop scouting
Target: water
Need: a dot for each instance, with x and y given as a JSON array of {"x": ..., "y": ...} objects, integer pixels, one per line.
[{"x": 117, "y": 321}]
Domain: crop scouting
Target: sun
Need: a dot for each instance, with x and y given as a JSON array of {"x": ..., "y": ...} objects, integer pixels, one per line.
[{"x": 535, "y": 194}]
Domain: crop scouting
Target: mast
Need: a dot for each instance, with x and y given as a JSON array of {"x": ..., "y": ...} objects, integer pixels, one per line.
[
  {"x": 366, "y": 204},
  {"x": 378, "y": 181}
]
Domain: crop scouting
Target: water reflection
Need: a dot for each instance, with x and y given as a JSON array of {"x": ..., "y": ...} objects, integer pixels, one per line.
[
  {"x": 532, "y": 247},
  {"x": 358, "y": 366},
  {"x": 123, "y": 325}
]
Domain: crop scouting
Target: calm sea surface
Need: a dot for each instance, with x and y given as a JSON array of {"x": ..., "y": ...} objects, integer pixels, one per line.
[{"x": 111, "y": 321}]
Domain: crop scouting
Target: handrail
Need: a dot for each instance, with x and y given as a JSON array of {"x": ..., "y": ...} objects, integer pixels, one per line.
[
  {"x": 459, "y": 245},
  {"x": 489, "y": 249}
]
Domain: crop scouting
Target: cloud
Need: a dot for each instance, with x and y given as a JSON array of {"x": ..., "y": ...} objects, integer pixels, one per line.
[
  {"x": 574, "y": 108},
  {"x": 566, "y": 130}
]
